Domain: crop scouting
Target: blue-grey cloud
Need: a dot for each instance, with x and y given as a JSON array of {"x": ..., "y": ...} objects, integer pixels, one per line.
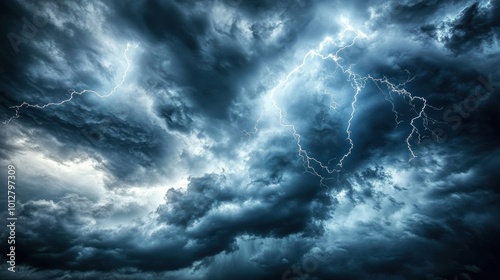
[{"x": 187, "y": 171}]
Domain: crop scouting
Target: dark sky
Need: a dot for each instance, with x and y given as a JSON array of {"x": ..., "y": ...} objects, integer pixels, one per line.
[{"x": 233, "y": 139}]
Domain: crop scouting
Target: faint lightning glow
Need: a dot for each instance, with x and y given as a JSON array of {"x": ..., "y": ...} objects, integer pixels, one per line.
[
  {"x": 73, "y": 92},
  {"x": 313, "y": 165}
]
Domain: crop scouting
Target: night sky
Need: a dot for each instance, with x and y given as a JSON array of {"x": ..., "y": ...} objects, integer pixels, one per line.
[{"x": 234, "y": 139}]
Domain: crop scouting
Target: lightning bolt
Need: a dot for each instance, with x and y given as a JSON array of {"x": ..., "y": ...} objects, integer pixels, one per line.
[
  {"x": 73, "y": 93},
  {"x": 358, "y": 82},
  {"x": 420, "y": 114}
]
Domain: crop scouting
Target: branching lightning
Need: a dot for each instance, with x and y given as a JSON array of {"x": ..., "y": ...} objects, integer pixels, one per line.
[
  {"x": 418, "y": 104},
  {"x": 73, "y": 92}
]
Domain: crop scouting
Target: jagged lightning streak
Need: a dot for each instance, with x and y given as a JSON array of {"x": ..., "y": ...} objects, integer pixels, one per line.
[
  {"x": 313, "y": 165},
  {"x": 420, "y": 114},
  {"x": 73, "y": 92}
]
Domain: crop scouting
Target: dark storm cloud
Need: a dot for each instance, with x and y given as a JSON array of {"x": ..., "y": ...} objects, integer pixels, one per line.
[
  {"x": 209, "y": 64},
  {"x": 19, "y": 69},
  {"x": 196, "y": 227},
  {"x": 123, "y": 142},
  {"x": 437, "y": 229},
  {"x": 416, "y": 11},
  {"x": 205, "y": 193},
  {"x": 77, "y": 246},
  {"x": 476, "y": 28},
  {"x": 382, "y": 217},
  {"x": 473, "y": 25},
  {"x": 124, "y": 148},
  {"x": 448, "y": 82},
  {"x": 272, "y": 204},
  {"x": 438, "y": 238}
]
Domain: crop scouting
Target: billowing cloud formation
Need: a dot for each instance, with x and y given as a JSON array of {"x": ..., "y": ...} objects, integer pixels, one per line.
[{"x": 252, "y": 139}]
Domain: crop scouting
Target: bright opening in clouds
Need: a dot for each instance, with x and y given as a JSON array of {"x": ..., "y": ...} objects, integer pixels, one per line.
[{"x": 234, "y": 139}]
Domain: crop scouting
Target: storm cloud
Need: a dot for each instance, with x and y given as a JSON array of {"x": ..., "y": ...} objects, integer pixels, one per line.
[{"x": 234, "y": 139}]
